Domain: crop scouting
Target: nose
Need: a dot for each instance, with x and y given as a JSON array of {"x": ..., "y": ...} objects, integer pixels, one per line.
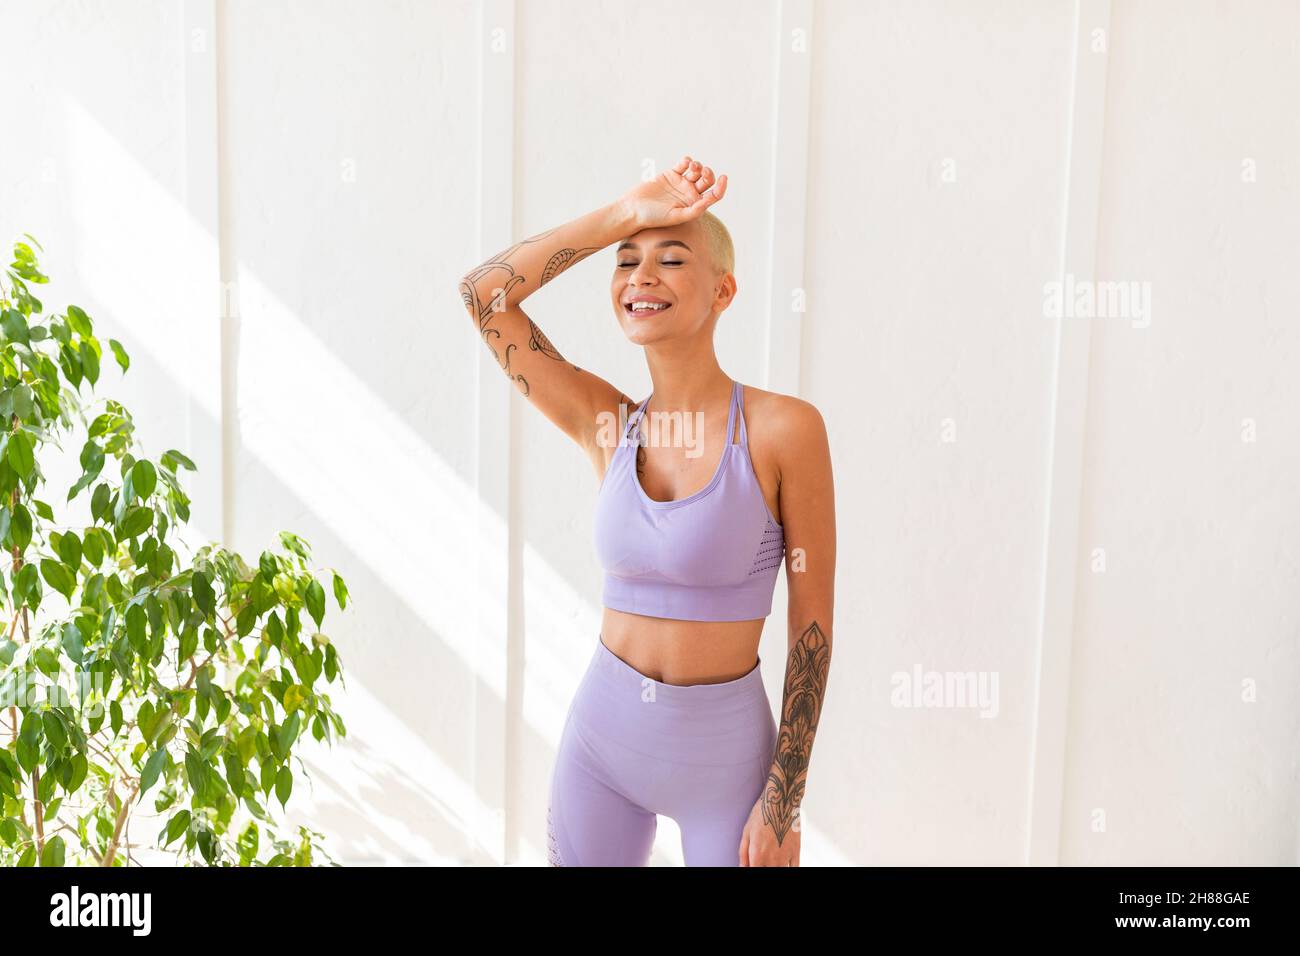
[{"x": 643, "y": 272}]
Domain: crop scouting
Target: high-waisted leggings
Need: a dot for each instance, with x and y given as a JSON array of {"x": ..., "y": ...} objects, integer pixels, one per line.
[{"x": 633, "y": 748}]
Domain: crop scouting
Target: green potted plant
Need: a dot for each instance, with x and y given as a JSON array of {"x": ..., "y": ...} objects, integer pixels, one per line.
[{"x": 140, "y": 674}]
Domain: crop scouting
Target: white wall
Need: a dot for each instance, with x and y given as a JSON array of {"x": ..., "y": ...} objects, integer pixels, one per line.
[{"x": 1078, "y": 513}]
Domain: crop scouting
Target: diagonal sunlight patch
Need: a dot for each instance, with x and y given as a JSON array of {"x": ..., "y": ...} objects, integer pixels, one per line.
[{"x": 295, "y": 397}]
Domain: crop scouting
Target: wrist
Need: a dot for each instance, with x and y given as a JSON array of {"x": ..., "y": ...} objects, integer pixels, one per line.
[{"x": 622, "y": 217}]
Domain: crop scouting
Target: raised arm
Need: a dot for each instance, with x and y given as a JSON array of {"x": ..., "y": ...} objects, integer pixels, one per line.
[
  {"x": 807, "y": 503},
  {"x": 567, "y": 395}
]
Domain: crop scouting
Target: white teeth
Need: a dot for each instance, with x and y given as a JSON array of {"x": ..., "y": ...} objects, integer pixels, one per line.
[{"x": 644, "y": 306}]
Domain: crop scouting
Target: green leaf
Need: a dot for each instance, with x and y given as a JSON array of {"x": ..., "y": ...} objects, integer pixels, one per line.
[
  {"x": 20, "y": 527},
  {"x": 189, "y": 643},
  {"x": 201, "y": 588},
  {"x": 46, "y": 660},
  {"x": 119, "y": 353},
  {"x": 143, "y": 478},
  {"x": 49, "y": 781},
  {"x": 135, "y": 621},
  {"x": 136, "y": 521},
  {"x": 340, "y": 591},
  {"x": 29, "y": 739},
  {"x": 54, "y": 852},
  {"x": 153, "y": 766},
  {"x": 54, "y": 730},
  {"x": 296, "y": 544},
  {"x": 316, "y": 601},
  {"x": 59, "y": 577},
  {"x": 72, "y": 641},
  {"x": 14, "y": 324},
  {"x": 172, "y": 455},
  {"x": 90, "y": 362},
  {"x": 197, "y": 773},
  {"x": 19, "y": 453},
  {"x": 234, "y": 772},
  {"x": 78, "y": 321},
  {"x": 283, "y": 785},
  {"x": 22, "y": 396},
  {"x": 99, "y": 501},
  {"x": 27, "y": 584},
  {"x": 70, "y": 549},
  {"x": 289, "y": 731},
  {"x": 92, "y": 457},
  {"x": 248, "y": 843},
  {"x": 177, "y": 825},
  {"x": 79, "y": 769},
  {"x": 92, "y": 545}
]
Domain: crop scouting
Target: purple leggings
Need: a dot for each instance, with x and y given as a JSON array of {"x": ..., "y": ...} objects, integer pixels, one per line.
[{"x": 633, "y": 747}]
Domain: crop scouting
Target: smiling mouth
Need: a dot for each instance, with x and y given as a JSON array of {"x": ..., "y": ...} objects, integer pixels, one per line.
[{"x": 653, "y": 309}]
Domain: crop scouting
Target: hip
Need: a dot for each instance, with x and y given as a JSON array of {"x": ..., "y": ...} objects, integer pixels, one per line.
[{"x": 725, "y": 723}]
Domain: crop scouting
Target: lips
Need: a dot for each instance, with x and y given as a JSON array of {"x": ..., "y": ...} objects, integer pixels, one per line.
[{"x": 643, "y": 312}]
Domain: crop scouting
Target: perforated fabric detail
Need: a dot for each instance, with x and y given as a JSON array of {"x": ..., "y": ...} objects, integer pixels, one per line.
[{"x": 771, "y": 550}]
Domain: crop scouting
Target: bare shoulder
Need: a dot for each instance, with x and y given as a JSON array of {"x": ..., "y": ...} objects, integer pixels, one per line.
[{"x": 784, "y": 428}]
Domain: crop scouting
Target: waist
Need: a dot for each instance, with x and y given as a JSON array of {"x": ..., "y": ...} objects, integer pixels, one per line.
[{"x": 682, "y": 653}]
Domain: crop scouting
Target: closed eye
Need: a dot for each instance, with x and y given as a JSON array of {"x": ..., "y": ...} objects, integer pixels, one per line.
[{"x": 666, "y": 262}]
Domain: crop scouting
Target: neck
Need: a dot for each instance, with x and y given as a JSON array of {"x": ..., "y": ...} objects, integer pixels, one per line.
[{"x": 681, "y": 383}]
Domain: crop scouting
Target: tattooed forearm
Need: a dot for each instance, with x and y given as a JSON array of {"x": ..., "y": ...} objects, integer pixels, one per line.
[
  {"x": 805, "y": 687},
  {"x": 561, "y": 261}
]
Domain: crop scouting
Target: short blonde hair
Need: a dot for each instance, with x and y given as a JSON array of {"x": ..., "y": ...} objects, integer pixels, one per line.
[{"x": 721, "y": 250}]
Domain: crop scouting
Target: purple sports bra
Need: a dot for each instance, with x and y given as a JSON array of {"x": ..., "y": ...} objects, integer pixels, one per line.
[{"x": 712, "y": 556}]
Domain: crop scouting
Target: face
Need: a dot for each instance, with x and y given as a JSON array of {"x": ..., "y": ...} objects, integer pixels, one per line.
[{"x": 670, "y": 267}]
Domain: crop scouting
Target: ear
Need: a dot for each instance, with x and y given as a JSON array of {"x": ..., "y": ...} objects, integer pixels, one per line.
[{"x": 725, "y": 291}]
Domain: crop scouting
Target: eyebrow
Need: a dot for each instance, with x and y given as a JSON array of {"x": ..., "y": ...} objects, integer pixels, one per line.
[{"x": 629, "y": 244}]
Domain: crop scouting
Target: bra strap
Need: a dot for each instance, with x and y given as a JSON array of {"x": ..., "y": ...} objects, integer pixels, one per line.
[
  {"x": 740, "y": 408},
  {"x": 731, "y": 411},
  {"x": 634, "y": 419}
]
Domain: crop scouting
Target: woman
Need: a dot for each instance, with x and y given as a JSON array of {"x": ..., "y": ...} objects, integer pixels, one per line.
[{"x": 671, "y": 716}]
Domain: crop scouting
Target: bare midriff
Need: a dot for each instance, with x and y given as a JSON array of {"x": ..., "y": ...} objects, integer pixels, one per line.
[{"x": 682, "y": 652}]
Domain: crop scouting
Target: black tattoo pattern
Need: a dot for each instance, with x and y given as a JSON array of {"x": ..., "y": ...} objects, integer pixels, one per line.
[
  {"x": 635, "y": 433},
  {"x": 805, "y": 688},
  {"x": 484, "y": 313},
  {"x": 540, "y": 343},
  {"x": 562, "y": 260}
]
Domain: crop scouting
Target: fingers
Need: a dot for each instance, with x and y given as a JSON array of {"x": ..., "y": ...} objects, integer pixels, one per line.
[
  {"x": 710, "y": 196},
  {"x": 720, "y": 187},
  {"x": 708, "y": 191},
  {"x": 697, "y": 174},
  {"x": 700, "y": 176}
]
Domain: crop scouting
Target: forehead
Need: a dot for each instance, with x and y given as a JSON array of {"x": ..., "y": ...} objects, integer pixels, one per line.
[{"x": 683, "y": 234}]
